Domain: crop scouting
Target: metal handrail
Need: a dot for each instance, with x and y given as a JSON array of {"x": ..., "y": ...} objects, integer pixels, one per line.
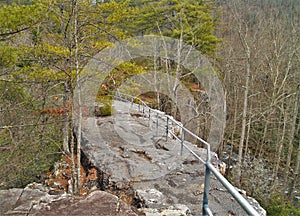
[{"x": 209, "y": 166}]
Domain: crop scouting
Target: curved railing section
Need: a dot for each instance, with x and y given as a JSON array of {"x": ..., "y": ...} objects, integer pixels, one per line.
[{"x": 171, "y": 126}]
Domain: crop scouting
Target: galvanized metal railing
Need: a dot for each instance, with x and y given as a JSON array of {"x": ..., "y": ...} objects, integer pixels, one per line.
[{"x": 169, "y": 123}]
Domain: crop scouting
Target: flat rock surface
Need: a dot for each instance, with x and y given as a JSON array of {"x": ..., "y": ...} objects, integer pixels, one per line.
[
  {"x": 133, "y": 152},
  {"x": 21, "y": 202},
  {"x": 8, "y": 199},
  {"x": 164, "y": 178},
  {"x": 97, "y": 203}
]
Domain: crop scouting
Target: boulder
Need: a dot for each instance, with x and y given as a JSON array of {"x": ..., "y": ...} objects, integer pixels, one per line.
[{"x": 29, "y": 201}]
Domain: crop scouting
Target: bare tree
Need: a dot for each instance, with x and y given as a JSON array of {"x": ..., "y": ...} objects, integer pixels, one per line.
[
  {"x": 259, "y": 68},
  {"x": 78, "y": 86},
  {"x": 291, "y": 139}
]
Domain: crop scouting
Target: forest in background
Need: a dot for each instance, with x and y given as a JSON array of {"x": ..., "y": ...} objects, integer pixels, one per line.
[
  {"x": 254, "y": 45},
  {"x": 260, "y": 69}
]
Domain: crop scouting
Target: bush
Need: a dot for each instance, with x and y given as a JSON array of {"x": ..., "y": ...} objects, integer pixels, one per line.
[
  {"x": 29, "y": 143},
  {"x": 279, "y": 205},
  {"x": 26, "y": 161},
  {"x": 104, "y": 106}
]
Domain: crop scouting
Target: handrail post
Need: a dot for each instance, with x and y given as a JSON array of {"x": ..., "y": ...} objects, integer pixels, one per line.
[
  {"x": 182, "y": 140},
  {"x": 205, "y": 208},
  {"x": 167, "y": 129},
  {"x": 206, "y": 190},
  {"x": 149, "y": 118},
  {"x": 156, "y": 123},
  {"x": 231, "y": 189}
]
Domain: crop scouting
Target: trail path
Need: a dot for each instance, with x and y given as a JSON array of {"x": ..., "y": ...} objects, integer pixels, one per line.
[{"x": 137, "y": 156}]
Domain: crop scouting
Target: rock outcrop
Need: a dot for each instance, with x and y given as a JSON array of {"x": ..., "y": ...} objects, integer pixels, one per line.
[
  {"x": 37, "y": 201},
  {"x": 144, "y": 175},
  {"x": 160, "y": 175}
]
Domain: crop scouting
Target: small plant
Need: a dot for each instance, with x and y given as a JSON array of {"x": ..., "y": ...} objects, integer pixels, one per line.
[
  {"x": 103, "y": 106},
  {"x": 279, "y": 205}
]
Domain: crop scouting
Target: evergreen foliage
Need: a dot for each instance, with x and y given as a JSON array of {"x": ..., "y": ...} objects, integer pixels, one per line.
[{"x": 194, "y": 21}]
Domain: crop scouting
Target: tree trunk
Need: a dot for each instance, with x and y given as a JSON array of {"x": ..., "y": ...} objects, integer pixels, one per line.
[
  {"x": 291, "y": 140},
  {"x": 248, "y": 131},
  {"x": 233, "y": 131},
  {"x": 78, "y": 98},
  {"x": 74, "y": 178},
  {"x": 66, "y": 122},
  {"x": 245, "y": 108},
  {"x": 279, "y": 152},
  {"x": 296, "y": 173},
  {"x": 262, "y": 143}
]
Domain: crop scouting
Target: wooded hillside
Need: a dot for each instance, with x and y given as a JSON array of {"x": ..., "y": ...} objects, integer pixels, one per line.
[{"x": 253, "y": 46}]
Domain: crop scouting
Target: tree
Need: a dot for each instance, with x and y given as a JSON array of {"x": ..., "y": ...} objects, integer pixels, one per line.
[
  {"x": 270, "y": 30},
  {"x": 49, "y": 45},
  {"x": 29, "y": 141},
  {"x": 192, "y": 21}
]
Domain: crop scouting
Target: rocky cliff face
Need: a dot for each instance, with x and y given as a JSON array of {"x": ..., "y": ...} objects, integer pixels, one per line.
[
  {"x": 36, "y": 200},
  {"x": 141, "y": 173},
  {"x": 139, "y": 161}
]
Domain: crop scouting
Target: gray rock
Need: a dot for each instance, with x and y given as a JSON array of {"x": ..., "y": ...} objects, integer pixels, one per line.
[
  {"x": 23, "y": 201},
  {"x": 34, "y": 202},
  {"x": 256, "y": 206},
  {"x": 178, "y": 210},
  {"x": 97, "y": 203},
  {"x": 38, "y": 186},
  {"x": 151, "y": 198},
  {"x": 130, "y": 153},
  {"x": 8, "y": 199}
]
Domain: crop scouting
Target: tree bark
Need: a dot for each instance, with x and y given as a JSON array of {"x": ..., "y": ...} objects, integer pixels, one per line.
[
  {"x": 248, "y": 131},
  {"x": 245, "y": 108},
  {"x": 296, "y": 173},
  {"x": 291, "y": 139},
  {"x": 78, "y": 98},
  {"x": 279, "y": 152},
  {"x": 66, "y": 123}
]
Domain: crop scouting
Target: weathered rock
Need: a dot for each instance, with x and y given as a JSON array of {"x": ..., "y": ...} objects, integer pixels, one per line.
[
  {"x": 35, "y": 202},
  {"x": 8, "y": 199},
  {"x": 24, "y": 201},
  {"x": 38, "y": 186},
  {"x": 177, "y": 210},
  {"x": 162, "y": 175},
  {"x": 98, "y": 109},
  {"x": 97, "y": 203},
  {"x": 256, "y": 206},
  {"x": 132, "y": 161},
  {"x": 151, "y": 198}
]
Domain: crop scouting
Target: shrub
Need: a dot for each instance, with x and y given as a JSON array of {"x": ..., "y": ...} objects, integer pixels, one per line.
[
  {"x": 279, "y": 205},
  {"x": 104, "y": 106}
]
